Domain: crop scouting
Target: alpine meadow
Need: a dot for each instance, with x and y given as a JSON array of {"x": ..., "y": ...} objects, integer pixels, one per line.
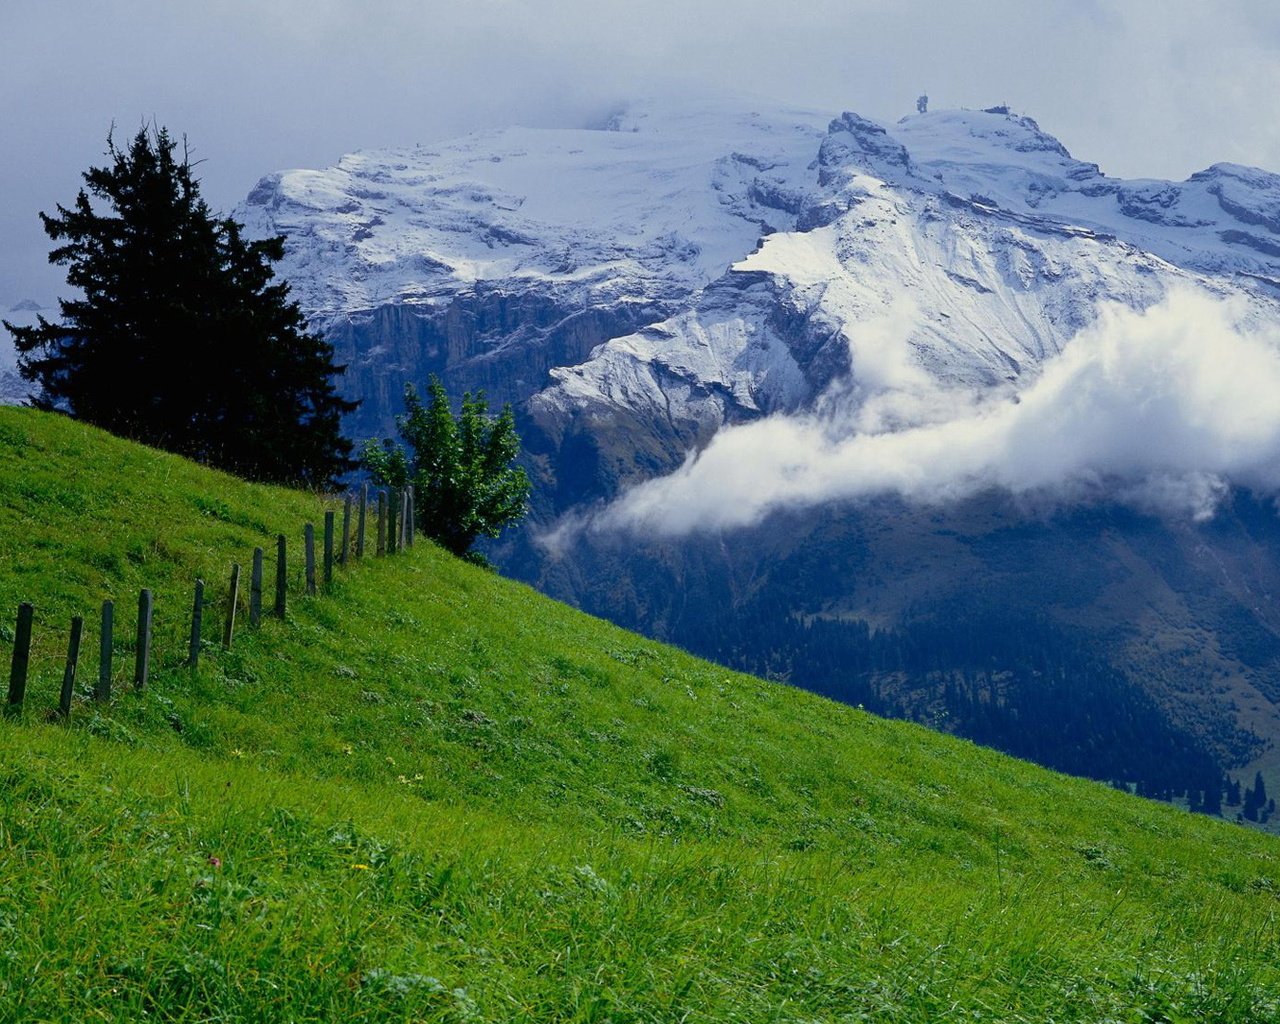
[{"x": 432, "y": 794}]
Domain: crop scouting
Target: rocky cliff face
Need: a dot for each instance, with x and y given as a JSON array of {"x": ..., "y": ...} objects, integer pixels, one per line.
[{"x": 675, "y": 279}]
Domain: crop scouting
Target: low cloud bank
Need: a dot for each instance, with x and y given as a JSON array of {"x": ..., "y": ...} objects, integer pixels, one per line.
[{"x": 1161, "y": 409}]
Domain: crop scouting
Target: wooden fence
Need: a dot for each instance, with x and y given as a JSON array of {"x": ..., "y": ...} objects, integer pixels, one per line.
[{"x": 393, "y": 527}]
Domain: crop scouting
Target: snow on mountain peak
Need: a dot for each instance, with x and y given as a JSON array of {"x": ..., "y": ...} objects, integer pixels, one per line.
[
  {"x": 971, "y": 136},
  {"x": 673, "y": 193},
  {"x": 659, "y": 205}
]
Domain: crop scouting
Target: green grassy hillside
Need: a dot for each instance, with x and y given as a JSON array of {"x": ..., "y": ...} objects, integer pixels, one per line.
[{"x": 432, "y": 794}]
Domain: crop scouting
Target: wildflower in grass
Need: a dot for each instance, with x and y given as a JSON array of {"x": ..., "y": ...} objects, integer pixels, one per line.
[
  {"x": 347, "y": 750},
  {"x": 215, "y": 862},
  {"x": 359, "y": 867}
]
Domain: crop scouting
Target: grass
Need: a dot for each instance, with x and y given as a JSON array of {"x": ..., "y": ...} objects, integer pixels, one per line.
[{"x": 432, "y": 794}]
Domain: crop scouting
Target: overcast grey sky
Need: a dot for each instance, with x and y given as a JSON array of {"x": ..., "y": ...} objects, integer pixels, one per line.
[{"x": 1150, "y": 88}]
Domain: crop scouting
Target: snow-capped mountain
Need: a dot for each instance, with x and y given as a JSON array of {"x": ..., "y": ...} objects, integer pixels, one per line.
[
  {"x": 706, "y": 265},
  {"x": 527, "y": 248},
  {"x": 973, "y": 234},
  {"x": 672, "y": 279},
  {"x": 648, "y": 205}
]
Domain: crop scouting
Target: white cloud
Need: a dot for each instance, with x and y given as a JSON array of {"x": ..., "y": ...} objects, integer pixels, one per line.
[{"x": 1161, "y": 409}]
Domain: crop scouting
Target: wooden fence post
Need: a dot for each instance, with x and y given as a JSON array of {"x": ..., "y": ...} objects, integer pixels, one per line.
[
  {"x": 105, "y": 651},
  {"x": 281, "y": 576},
  {"x": 309, "y": 546},
  {"x": 197, "y": 620},
  {"x": 345, "y": 550},
  {"x": 364, "y": 503},
  {"x": 411, "y": 516},
  {"x": 142, "y": 663},
  {"x": 393, "y": 506},
  {"x": 255, "y": 590},
  {"x": 21, "y": 655},
  {"x": 381, "y": 548},
  {"x": 328, "y": 547},
  {"x": 233, "y": 599},
  {"x": 69, "y": 673}
]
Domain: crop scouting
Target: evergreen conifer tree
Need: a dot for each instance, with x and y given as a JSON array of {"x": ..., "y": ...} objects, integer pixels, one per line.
[{"x": 179, "y": 336}]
